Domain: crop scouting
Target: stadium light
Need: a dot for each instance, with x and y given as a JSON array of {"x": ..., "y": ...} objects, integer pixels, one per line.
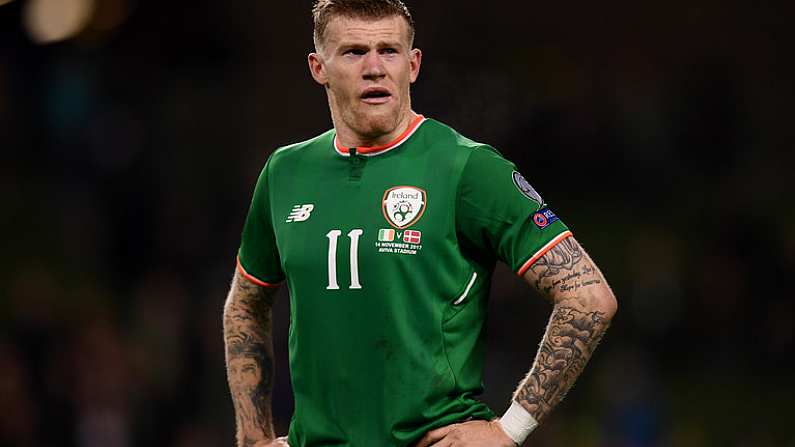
[{"x": 49, "y": 21}]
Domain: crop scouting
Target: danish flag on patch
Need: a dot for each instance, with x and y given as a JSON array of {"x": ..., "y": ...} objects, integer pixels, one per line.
[{"x": 412, "y": 236}]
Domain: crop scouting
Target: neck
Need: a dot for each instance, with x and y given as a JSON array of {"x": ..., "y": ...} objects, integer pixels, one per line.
[{"x": 348, "y": 137}]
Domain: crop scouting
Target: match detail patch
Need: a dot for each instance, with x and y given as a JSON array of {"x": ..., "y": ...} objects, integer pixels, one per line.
[
  {"x": 526, "y": 189},
  {"x": 412, "y": 236},
  {"x": 402, "y": 242},
  {"x": 386, "y": 235},
  {"x": 544, "y": 218}
]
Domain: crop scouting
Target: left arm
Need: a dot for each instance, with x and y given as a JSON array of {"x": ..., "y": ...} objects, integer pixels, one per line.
[{"x": 583, "y": 307}]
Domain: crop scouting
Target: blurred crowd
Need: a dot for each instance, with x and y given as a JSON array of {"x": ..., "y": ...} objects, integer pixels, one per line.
[{"x": 660, "y": 133}]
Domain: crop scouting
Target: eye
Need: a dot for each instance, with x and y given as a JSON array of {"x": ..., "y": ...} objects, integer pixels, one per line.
[
  {"x": 389, "y": 50},
  {"x": 354, "y": 52}
]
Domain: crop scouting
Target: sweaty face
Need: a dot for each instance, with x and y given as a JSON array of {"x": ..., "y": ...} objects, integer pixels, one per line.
[{"x": 367, "y": 67}]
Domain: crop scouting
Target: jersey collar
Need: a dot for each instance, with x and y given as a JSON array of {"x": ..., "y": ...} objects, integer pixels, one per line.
[{"x": 370, "y": 151}]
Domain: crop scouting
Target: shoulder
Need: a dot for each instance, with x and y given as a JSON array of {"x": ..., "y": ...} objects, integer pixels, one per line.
[
  {"x": 469, "y": 160},
  {"x": 445, "y": 137},
  {"x": 478, "y": 164},
  {"x": 297, "y": 151}
]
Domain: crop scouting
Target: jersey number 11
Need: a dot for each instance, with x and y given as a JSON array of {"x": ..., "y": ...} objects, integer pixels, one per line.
[{"x": 332, "y": 236}]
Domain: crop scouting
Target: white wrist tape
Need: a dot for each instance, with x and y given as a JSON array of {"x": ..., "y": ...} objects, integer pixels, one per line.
[{"x": 518, "y": 423}]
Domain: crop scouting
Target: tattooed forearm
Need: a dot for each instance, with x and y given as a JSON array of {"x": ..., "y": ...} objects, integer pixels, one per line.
[
  {"x": 249, "y": 359},
  {"x": 584, "y": 306},
  {"x": 570, "y": 339}
]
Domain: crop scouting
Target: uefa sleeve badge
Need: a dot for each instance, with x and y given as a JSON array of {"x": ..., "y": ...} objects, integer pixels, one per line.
[
  {"x": 544, "y": 218},
  {"x": 526, "y": 189}
]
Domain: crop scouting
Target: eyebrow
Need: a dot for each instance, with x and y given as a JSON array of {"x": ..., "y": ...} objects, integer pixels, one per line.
[{"x": 379, "y": 44}]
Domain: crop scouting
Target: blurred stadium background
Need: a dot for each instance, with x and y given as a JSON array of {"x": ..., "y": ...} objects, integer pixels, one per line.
[{"x": 132, "y": 132}]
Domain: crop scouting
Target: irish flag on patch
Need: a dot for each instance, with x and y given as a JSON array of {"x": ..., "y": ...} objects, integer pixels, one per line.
[
  {"x": 386, "y": 235},
  {"x": 412, "y": 236}
]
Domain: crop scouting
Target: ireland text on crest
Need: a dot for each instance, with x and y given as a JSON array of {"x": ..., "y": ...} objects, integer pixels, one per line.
[{"x": 403, "y": 205}]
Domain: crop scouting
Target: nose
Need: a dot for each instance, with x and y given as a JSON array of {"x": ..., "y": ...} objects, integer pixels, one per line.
[{"x": 373, "y": 66}]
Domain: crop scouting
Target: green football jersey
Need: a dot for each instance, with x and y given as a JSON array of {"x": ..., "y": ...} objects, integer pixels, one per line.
[{"x": 388, "y": 254}]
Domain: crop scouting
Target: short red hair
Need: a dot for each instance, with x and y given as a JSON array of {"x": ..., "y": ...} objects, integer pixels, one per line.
[{"x": 324, "y": 10}]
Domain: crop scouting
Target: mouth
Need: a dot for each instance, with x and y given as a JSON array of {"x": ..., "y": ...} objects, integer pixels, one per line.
[{"x": 376, "y": 95}]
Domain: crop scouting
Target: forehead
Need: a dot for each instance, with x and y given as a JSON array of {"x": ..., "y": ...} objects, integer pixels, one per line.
[{"x": 347, "y": 30}]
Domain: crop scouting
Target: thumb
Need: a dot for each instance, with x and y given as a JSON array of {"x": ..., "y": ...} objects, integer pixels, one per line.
[{"x": 435, "y": 435}]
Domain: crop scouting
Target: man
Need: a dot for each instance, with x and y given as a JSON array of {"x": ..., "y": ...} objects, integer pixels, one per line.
[{"x": 386, "y": 230}]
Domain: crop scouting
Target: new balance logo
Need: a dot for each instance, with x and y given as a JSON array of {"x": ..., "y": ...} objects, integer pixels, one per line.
[{"x": 300, "y": 213}]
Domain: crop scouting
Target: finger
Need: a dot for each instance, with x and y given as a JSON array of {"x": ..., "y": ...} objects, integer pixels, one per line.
[
  {"x": 447, "y": 441},
  {"x": 435, "y": 435}
]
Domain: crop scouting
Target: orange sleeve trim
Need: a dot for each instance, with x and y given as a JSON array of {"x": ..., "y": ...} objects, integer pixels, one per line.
[
  {"x": 543, "y": 251},
  {"x": 252, "y": 278}
]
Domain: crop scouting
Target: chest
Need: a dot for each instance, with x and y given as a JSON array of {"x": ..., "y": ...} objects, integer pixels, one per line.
[{"x": 349, "y": 224}]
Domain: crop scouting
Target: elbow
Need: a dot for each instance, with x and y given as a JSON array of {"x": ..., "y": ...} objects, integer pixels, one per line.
[
  {"x": 607, "y": 304},
  {"x": 228, "y": 303}
]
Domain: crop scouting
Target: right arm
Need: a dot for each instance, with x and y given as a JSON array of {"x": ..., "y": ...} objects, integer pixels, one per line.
[{"x": 249, "y": 359}]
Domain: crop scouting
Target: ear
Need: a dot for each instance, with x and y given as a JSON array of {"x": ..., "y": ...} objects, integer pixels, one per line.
[
  {"x": 317, "y": 68},
  {"x": 415, "y": 60}
]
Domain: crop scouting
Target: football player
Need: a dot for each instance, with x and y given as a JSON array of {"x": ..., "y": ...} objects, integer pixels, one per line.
[{"x": 386, "y": 241}]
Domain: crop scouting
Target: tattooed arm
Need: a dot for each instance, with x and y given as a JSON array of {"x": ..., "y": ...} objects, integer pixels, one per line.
[
  {"x": 583, "y": 308},
  {"x": 249, "y": 359},
  {"x": 584, "y": 305}
]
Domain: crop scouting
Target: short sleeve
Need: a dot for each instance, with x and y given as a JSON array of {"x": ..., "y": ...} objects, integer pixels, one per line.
[
  {"x": 258, "y": 258},
  {"x": 499, "y": 213}
]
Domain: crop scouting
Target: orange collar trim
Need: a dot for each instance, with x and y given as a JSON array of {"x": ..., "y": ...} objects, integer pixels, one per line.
[{"x": 377, "y": 150}]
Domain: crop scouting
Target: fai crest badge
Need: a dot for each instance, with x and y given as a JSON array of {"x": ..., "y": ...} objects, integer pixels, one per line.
[{"x": 403, "y": 205}]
